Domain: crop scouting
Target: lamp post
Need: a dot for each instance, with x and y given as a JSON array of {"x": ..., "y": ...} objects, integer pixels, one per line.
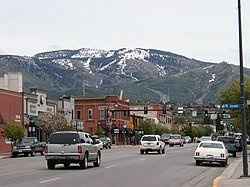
[{"x": 243, "y": 111}]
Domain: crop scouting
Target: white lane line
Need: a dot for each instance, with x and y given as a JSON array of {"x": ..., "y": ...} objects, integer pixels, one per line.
[
  {"x": 110, "y": 166},
  {"x": 17, "y": 172},
  {"x": 143, "y": 159},
  {"x": 50, "y": 180}
]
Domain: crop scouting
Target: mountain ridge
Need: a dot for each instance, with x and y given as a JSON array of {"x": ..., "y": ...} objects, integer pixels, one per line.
[{"x": 144, "y": 74}]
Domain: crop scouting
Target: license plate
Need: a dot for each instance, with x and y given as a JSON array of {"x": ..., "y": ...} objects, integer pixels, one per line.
[{"x": 20, "y": 151}]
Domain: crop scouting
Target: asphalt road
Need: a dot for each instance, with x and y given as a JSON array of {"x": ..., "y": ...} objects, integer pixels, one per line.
[{"x": 121, "y": 167}]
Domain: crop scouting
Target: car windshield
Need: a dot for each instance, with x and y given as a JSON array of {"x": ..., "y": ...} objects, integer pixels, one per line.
[
  {"x": 187, "y": 137},
  {"x": 211, "y": 145},
  {"x": 64, "y": 138},
  {"x": 205, "y": 139},
  {"x": 164, "y": 136},
  {"x": 226, "y": 139},
  {"x": 26, "y": 140},
  {"x": 175, "y": 137},
  {"x": 104, "y": 139},
  {"x": 149, "y": 138}
]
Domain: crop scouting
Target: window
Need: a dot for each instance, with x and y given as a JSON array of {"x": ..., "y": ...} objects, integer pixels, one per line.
[
  {"x": 64, "y": 138},
  {"x": 90, "y": 113},
  {"x": 78, "y": 114},
  {"x": 102, "y": 114}
]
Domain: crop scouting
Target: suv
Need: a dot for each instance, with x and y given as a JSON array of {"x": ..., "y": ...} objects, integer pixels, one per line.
[
  {"x": 229, "y": 142},
  {"x": 175, "y": 139},
  {"x": 152, "y": 143},
  {"x": 66, "y": 147}
]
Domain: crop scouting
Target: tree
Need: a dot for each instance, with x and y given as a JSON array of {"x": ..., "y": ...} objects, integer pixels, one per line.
[
  {"x": 231, "y": 94},
  {"x": 13, "y": 131},
  {"x": 49, "y": 122}
]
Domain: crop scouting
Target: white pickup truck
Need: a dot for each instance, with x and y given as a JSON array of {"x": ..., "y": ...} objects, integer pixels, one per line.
[{"x": 66, "y": 147}]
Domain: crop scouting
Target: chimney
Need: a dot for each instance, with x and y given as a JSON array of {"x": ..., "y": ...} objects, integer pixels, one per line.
[{"x": 121, "y": 95}]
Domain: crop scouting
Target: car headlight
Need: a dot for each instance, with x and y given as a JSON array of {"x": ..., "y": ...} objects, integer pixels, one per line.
[{"x": 14, "y": 147}]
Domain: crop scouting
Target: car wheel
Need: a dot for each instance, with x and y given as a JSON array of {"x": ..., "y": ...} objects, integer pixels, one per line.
[
  {"x": 141, "y": 151},
  {"x": 14, "y": 155},
  {"x": 32, "y": 153},
  {"x": 234, "y": 154},
  {"x": 198, "y": 162},
  {"x": 42, "y": 153},
  {"x": 26, "y": 154},
  {"x": 159, "y": 151},
  {"x": 98, "y": 160},
  {"x": 66, "y": 165},
  {"x": 223, "y": 164},
  {"x": 50, "y": 164},
  {"x": 163, "y": 150},
  {"x": 84, "y": 162}
]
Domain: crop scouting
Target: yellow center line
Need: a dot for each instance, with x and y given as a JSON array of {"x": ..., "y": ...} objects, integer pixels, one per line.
[{"x": 216, "y": 181}]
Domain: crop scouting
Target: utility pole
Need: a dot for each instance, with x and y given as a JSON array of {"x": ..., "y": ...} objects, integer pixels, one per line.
[{"x": 243, "y": 111}]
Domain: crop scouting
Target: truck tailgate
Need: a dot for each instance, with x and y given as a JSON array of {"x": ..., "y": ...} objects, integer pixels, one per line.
[{"x": 62, "y": 148}]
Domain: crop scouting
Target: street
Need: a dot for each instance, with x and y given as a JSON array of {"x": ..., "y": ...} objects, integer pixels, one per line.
[{"x": 121, "y": 166}]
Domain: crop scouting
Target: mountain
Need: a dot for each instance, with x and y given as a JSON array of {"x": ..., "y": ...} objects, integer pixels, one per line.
[{"x": 146, "y": 75}]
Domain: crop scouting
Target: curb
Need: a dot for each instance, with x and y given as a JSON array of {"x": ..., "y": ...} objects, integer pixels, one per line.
[{"x": 227, "y": 173}]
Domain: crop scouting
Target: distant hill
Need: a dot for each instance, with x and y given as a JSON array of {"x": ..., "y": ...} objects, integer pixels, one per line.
[{"x": 146, "y": 75}]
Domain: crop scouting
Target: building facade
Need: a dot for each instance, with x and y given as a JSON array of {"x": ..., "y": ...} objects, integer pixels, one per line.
[
  {"x": 11, "y": 110},
  {"x": 105, "y": 113}
]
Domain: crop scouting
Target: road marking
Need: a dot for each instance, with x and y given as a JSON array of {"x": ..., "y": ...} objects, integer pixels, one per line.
[
  {"x": 216, "y": 181},
  {"x": 110, "y": 166},
  {"x": 6, "y": 174},
  {"x": 143, "y": 159},
  {"x": 50, "y": 180}
]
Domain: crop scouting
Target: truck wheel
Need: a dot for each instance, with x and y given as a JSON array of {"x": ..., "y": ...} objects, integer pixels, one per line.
[
  {"x": 42, "y": 153},
  {"x": 50, "y": 164},
  {"x": 98, "y": 160},
  {"x": 84, "y": 162},
  {"x": 198, "y": 162},
  {"x": 141, "y": 151},
  {"x": 14, "y": 155},
  {"x": 163, "y": 150}
]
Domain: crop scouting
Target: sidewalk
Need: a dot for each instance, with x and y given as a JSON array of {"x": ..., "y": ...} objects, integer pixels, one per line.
[
  {"x": 231, "y": 177},
  {"x": 5, "y": 155}
]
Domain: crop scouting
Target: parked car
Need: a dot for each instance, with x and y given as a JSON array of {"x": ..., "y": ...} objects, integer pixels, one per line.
[
  {"x": 248, "y": 140},
  {"x": 175, "y": 139},
  {"x": 28, "y": 145},
  {"x": 150, "y": 143},
  {"x": 165, "y": 138},
  {"x": 238, "y": 143},
  {"x": 106, "y": 142},
  {"x": 187, "y": 139},
  {"x": 211, "y": 151},
  {"x": 229, "y": 142},
  {"x": 66, "y": 147}
]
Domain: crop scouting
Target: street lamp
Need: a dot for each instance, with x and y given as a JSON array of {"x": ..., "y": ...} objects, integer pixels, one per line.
[{"x": 243, "y": 111}]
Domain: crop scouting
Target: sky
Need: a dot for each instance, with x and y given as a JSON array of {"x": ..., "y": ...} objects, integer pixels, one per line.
[{"x": 205, "y": 30}]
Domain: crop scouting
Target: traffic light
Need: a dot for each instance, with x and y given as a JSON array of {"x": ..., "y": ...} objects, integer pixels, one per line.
[
  {"x": 224, "y": 114},
  {"x": 206, "y": 113},
  {"x": 145, "y": 110}
]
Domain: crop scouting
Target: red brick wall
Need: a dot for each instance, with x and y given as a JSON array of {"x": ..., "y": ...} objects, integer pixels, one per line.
[{"x": 11, "y": 106}]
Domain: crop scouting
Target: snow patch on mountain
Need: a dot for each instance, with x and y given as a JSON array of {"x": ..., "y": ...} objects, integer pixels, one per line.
[
  {"x": 89, "y": 53},
  {"x": 64, "y": 62},
  {"x": 161, "y": 70},
  {"x": 134, "y": 54},
  {"x": 108, "y": 65},
  {"x": 86, "y": 65}
]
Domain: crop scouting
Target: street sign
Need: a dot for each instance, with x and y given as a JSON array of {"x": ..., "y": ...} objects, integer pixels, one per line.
[{"x": 230, "y": 106}]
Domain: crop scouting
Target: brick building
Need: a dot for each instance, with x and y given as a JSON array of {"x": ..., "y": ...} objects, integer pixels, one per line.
[
  {"x": 11, "y": 109},
  {"x": 106, "y": 113}
]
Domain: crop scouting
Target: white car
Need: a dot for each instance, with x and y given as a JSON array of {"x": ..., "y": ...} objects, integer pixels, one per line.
[
  {"x": 98, "y": 143},
  {"x": 152, "y": 143},
  {"x": 211, "y": 151}
]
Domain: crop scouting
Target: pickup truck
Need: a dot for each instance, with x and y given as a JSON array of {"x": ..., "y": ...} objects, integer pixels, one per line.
[
  {"x": 66, "y": 147},
  {"x": 28, "y": 145}
]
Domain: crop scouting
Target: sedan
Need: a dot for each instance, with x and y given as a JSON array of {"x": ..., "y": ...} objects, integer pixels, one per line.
[{"x": 211, "y": 151}]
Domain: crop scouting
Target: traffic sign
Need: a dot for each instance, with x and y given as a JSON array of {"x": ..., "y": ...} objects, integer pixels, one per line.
[{"x": 230, "y": 106}]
